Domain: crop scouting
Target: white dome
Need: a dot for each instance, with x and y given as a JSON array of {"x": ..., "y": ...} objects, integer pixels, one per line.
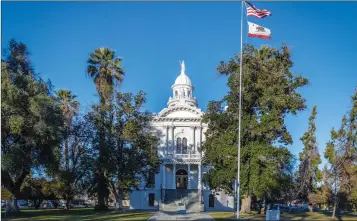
[{"x": 183, "y": 79}]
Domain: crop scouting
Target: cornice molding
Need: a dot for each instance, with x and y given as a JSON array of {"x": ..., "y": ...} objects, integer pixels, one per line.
[{"x": 176, "y": 119}]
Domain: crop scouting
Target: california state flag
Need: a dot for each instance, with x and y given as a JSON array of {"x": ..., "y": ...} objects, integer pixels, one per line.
[{"x": 258, "y": 31}]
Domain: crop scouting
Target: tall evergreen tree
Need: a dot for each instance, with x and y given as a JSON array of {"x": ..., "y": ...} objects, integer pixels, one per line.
[
  {"x": 309, "y": 174},
  {"x": 341, "y": 153},
  {"x": 106, "y": 71},
  {"x": 31, "y": 122},
  {"x": 269, "y": 94}
]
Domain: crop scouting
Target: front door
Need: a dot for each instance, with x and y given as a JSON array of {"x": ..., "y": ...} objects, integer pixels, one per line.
[{"x": 181, "y": 179}]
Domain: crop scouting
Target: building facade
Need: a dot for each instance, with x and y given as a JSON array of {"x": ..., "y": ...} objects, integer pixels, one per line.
[{"x": 179, "y": 181}]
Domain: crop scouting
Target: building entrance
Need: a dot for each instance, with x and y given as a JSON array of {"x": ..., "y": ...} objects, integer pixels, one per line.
[{"x": 181, "y": 179}]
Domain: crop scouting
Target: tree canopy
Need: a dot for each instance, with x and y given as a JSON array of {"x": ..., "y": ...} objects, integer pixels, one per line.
[
  {"x": 269, "y": 94},
  {"x": 31, "y": 121},
  {"x": 309, "y": 174},
  {"x": 341, "y": 153}
]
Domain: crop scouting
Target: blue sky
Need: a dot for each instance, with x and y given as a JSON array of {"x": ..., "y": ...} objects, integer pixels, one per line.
[{"x": 152, "y": 37}]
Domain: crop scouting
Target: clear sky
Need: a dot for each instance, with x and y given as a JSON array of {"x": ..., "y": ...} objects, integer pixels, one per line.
[{"x": 152, "y": 37}]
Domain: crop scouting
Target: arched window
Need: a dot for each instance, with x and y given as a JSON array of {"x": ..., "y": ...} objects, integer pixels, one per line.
[
  {"x": 178, "y": 145},
  {"x": 184, "y": 94},
  {"x": 151, "y": 199},
  {"x": 188, "y": 94},
  {"x": 176, "y": 94},
  {"x": 184, "y": 145}
]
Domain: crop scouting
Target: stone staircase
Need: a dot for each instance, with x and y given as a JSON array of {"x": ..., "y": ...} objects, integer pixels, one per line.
[{"x": 191, "y": 199}]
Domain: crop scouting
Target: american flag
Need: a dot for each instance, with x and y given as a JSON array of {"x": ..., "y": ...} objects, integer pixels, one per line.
[{"x": 253, "y": 11}]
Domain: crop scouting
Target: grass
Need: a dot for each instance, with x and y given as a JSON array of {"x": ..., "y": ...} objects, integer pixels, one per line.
[
  {"x": 229, "y": 215},
  {"x": 76, "y": 214},
  {"x": 220, "y": 216}
]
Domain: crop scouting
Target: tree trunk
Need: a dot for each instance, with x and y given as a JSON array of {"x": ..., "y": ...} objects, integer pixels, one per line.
[
  {"x": 66, "y": 151},
  {"x": 335, "y": 200},
  {"x": 11, "y": 205},
  {"x": 246, "y": 204},
  {"x": 101, "y": 190},
  {"x": 311, "y": 208},
  {"x": 101, "y": 178},
  {"x": 14, "y": 188},
  {"x": 260, "y": 207},
  {"x": 119, "y": 200},
  {"x": 334, "y": 209},
  {"x": 55, "y": 204},
  {"x": 68, "y": 201},
  {"x": 37, "y": 203}
]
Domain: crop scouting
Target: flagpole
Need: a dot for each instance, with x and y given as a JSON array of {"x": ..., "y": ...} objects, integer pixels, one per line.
[{"x": 240, "y": 108}]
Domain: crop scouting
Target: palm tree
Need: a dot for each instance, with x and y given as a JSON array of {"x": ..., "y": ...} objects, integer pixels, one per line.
[
  {"x": 69, "y": 107},
  {"x": 106, "y": 72}
]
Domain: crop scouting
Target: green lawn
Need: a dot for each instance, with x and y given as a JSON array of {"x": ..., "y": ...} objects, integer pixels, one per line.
[
  {"x": 77, "y": 214},
  {"x": 229, "y": 215},
  {"x": 294, "y": 216}
]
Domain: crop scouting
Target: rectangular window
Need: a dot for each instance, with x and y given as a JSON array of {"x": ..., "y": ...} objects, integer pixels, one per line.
[
  {"x": 151, "y": 199},
  {"x": 211, "y": 201},
  {"x": 151, "y": 178}
]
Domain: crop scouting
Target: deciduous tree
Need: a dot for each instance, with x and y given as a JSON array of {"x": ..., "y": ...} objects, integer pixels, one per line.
[
  {"x": 269, "y": 94},
  {"x": 76, "y": 177},
  {"x": 131, "y": 144},
  {"x": 31, "y": 122}
]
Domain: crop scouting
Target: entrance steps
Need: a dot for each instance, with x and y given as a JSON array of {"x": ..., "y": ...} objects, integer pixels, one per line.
[{"x": 176, "y": 198}]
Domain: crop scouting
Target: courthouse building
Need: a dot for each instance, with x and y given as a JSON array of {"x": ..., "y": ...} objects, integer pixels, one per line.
[{"x": 181, "y": 134}]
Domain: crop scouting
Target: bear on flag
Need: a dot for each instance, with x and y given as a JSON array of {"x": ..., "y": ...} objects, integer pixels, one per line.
[{"x": 255, "y": 30}]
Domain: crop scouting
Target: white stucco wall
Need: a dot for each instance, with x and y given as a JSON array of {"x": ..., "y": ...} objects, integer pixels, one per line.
[
  {"x": 222, "y": 202},
  {"x": 140, "y": 199}
]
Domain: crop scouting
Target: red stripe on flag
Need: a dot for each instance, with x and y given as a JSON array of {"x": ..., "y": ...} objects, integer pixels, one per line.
[
  {"x": 253, "y": 11},
  {"x": 258, "y": 16},
  {"x": 259, "y": 36}
]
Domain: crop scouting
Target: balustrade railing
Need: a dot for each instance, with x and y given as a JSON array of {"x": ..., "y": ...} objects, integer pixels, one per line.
[{"x": 183, "y": 156}]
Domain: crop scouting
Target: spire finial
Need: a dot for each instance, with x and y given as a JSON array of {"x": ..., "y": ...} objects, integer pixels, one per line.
[{"x": 182, "y": 67}]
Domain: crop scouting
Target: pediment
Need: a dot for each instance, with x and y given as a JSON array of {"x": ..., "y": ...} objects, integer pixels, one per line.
[{"x": 181, "y": 112}]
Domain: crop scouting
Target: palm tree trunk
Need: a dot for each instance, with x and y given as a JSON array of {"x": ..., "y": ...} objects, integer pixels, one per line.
[{"x": 101, "y": 178}]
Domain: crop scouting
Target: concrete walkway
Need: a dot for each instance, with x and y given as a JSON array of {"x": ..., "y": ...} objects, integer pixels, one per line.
[{"x": 173, "y": 216}]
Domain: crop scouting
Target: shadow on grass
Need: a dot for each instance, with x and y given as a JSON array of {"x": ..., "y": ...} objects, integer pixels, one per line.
[
  {"x": 78, "y": 214},
  {"x": 220, "y": 216}
]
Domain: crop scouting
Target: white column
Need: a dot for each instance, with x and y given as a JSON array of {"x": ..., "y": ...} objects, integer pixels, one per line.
[
  {"x": 167, "y": 140},
  {"x": 193, "y": 137},
  {"x": 174, "y": 176},
  {"x": 164, "y": 176},
  {"x": 189, "y": 176},
  {"x": 173, "y": 140},
  {"x": 199, "y": 186},
  {"x": 201, "y": 128}
]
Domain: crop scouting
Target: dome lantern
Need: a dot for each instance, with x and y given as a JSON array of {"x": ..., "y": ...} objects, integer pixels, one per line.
[{"x": 182, "y": 90}]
